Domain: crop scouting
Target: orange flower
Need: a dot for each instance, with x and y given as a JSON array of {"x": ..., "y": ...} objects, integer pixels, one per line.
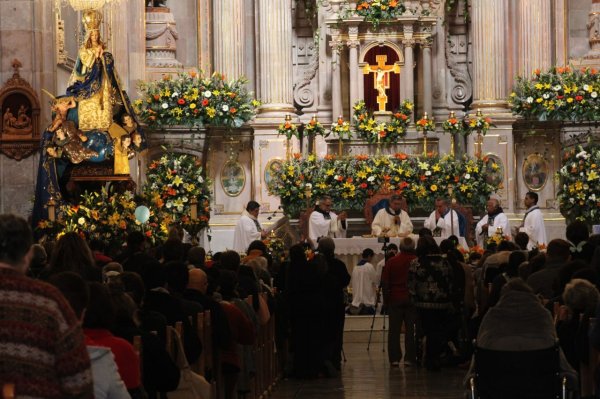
[
  {"x": 349, "y": 180},
  {"x": 171, "y": 191},
  {"x": 537, "y": 71},
  {"x": 232, "y": 95},
  {"x": 193, "y": 74},
  {"x": 329, "y": 157},
  {"x": 233, "y": 110},
  {"x": 382, "y": 134},
  {"x": 594, "y": 71},
  {"x": 362, "y": 157},
  {"x": 149, "y": 233},
  {"x": 400, "y": 155},
  {"x": 166, "y": 77},
  {"x": 287, "y": 125},
  {"x": 340, "y": 121},
  {"x": 453, "y": 121},
  {"x": 297, "y": 155},
  {"x": 122, "y": 225},
  {"x": 156, "y": 97},
  {"x": 393, "y": 3}
]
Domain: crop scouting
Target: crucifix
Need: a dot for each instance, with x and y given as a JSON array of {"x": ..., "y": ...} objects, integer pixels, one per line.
[{"x": 382, "y": 78}]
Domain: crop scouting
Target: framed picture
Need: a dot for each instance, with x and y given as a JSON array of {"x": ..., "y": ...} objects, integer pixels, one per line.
[
  {"x": 535, "y": 172},
  {"x": 233, "y": 178},
  {"x": 273, "y": 166},
  {"x": 495, "y": 169}
]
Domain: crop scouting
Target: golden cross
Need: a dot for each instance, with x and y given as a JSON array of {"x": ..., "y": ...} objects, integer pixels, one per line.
[{"x": 382, "y": 81}]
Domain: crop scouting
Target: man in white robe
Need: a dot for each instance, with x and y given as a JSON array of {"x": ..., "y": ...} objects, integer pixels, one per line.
[
  {"x": 533, "y": 222},
  {"x": 392, "y": 221},
  {"x": 248, "y": 228},
  {"x": 364, "y": 281},
  {"x": 490, "y": 223},
  {"x": 443, "y": 221},
  {"x": 325, "y": 223}
]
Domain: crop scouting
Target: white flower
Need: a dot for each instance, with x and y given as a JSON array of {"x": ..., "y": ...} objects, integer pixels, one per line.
[
  {"x": 185, "y": 199},
  {"x": 200, "y": 179},
  {"x": 81, "y": 221},
  {"x": 207, "y": 94},
  {"x": 371, "y": 178},
  {"x": 308, "y": 185},
  {"x": 169, "y": 204},
  {"x": 336, "y": 177},
  {"x": 546, "y": 96},
  {"x": 175, "y": 94},
  {"x": 583, "y": 154},
  {"x": 556, "y": 88},
  {"x": 594, "y": 94},
  {"x": 467, "y": 176},
  {"x": 586, "y": 87},
  {"x": 423, "y": 165},
  {"x": 593, "y": 197},
  {"x": 529, "y": 100},
  {"x": 225, "y": 108},
  {"x": 572, "y": 200},
  {"x": 428, "y": 173},
  {"x": 165, "y": 105}
]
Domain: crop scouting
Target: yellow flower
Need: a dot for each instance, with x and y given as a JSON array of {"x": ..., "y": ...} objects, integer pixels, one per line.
[
  {"x": 495, "y": 166},
  {"x": 434, "y": 187},
  {"x": 192, "y": 105},
  {"x": 592, "y": 175},
  {"x": 330, "y": 172},
  {"x": 255, "y": 103},
  {"x": 539, "y": 100},
  {"x": 361, "y": 174},
  {"x": 211, "y": 112},
  {"x": 547, "y": 85},
  {"x": 436, "y": 168},
  {"x": 312, "y": 158},
  {"x": 570, "y": 100},
  {"x": 177, "y": 180},
  {"x": 113, "y": 219},
  {"x": 463, "y": 187},
  {"x": 539, "y": 86}
]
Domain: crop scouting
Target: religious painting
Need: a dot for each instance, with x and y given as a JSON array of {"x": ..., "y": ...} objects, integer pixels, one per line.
[
  {"x": 495, "y": 169},
  {"x": 535, "y": 172},
  {"x": 273, "y": 166},
  {"x": 16, "y": 116},
  {"x": 233, "y": 178}
]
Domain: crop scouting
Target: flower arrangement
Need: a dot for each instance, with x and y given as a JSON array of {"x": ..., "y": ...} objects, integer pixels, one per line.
[
  {"x": 194, "y": 100},
  {"x": 478, "y": 123},
  {"x": 350, "y": 181},
  {"x": 453, "y": 125},
  {"x": 275, "y": 246},
  {"x": 172, "y": 181},
  {"x": 315, "y": 128},
  {"x": 376, "y": 11},
  {"x": 579, "y": 193},
  {"x": 288, "y": 129},
  {"x": 425, "y": 124},
  {"x": 369, "y": 129},
  {"x": 104, "y": 216},
  {"x": 560, "y": 93},
  {"x": 342, "y": 129}
]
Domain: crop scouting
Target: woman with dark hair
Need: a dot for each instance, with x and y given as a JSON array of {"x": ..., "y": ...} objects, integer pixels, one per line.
[
  {"x": 430, "y": 285},
  {"x": 99, "y": 319},
  {"x": 72, "y": 254}
]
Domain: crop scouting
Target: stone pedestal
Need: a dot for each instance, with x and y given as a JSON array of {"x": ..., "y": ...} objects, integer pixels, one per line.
[{"x": 161, "y": 43}]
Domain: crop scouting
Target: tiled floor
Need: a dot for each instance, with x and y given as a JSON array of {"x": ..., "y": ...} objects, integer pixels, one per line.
[{"x": 367, "y": 375}]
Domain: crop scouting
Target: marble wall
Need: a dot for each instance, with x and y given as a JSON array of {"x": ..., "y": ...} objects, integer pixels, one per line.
[{"x": 578, "y": 44}]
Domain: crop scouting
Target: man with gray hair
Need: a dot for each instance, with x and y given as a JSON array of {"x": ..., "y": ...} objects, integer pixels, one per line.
[
  {"x": 392, "y": 221},
  {"x": 443, "y": 221},
  {"x": 494, "y": 221},
  {"x": 324, "y": 222}
]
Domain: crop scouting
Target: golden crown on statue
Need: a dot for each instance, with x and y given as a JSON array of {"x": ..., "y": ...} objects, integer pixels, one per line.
[{"x": 91, "y": 20}]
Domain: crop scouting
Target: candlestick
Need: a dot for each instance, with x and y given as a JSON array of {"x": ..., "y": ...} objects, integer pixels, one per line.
[{"x": 51, "y": 209}]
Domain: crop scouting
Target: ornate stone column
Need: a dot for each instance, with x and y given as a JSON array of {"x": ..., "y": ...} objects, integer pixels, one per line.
[
  {"x": 336, "y": 78},
  {"x": 353, "y": 44},
  {"x": 275, "y": 58},
  {"x": 228, "y": 17},
  {"x": 489, "y": 20},
  {"x": 535, "y": 36},
  {"x": 427, "y": 77},
  {"x": 409, "y": 73}
]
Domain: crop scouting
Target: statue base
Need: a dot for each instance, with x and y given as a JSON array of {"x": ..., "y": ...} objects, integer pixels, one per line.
[{"x": 382, "y": 116}]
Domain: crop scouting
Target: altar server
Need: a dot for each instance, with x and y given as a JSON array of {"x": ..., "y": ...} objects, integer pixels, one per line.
[
  {"x": 248, "y": 228},
  {"x": 533, "y": 222}
]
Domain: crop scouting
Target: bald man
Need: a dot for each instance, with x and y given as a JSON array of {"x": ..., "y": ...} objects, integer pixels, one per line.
[
  {"x": 198, "y": 281},
  {"x": 490, "y": 223}
]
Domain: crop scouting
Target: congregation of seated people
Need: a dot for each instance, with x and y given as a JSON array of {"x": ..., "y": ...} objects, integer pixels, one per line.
[{"x": 94, "y": 307}]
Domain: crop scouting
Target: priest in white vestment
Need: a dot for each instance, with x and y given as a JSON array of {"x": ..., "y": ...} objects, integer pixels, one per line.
[
  {"x": 248, "y": 228},
  {"x": 491, "y": 222},
  {"x": 364, "y": 281},
  {"x": 392, "y": 221},
  {"x": 443, "y": 221},
  {"x": 324, "y": 222},
  {"x": 533, "y": 222}
]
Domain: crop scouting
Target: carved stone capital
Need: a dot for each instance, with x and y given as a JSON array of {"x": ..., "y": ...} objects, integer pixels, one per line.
[
  {"x": 409, "y": 42},
  {"x": 426, "y": 43},
  {"x": 353, "y": 43},
  {"x": 353, "y": 31}
]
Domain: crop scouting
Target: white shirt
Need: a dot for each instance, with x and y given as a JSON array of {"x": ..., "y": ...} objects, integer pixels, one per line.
[
  {"x": 319, "y": 227},
  {"x": 245, "y": 232},
  {"x": 534, "y": 227},
  {"x": 500, "y": 220},
  {"x": 384, "y": 223},
  {"x": 447, "y": 226},
  {"x": 364, "y": 285}
]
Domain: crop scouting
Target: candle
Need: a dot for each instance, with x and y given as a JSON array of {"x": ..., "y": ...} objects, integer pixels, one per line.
[{"x": 51, "y": 210}]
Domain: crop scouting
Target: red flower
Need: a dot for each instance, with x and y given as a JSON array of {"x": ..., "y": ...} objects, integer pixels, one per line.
[
  {"x": 205, "y": 102},
  {"x": 578, "y": 98},
  {"x": 363, "y": 185},
  {"x": 181, "y": 101},
  {"x": 403, "y": 185}
]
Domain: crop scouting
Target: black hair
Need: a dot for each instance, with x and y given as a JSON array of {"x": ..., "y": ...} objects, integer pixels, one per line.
[{"x": 15, "y": 239}]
